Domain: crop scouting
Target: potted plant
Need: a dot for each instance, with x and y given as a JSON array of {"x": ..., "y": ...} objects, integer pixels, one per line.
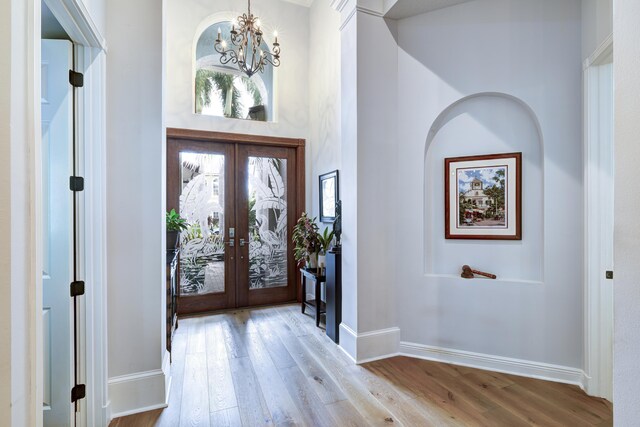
[
  {"x": 325, "y": 238},
  {"x": 175, "y": 224},
  {"x": 306, "y": 241}
]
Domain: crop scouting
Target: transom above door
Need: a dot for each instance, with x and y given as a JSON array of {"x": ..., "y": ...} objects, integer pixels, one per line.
[{"x": 240, "y": 196}]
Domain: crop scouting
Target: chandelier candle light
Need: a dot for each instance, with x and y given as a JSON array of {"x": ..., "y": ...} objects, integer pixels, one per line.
[{"x": 245, "y": 47}]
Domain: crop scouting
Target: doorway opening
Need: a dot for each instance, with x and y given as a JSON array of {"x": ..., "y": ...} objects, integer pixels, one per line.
[
  {"x": 69, "y": 206},
  {"x": 599, "y": 198},
  {"x": 240, "y": 196}
]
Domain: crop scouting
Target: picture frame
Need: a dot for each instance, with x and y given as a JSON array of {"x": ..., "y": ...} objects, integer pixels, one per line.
[
  {"x": 329, "y": 193},
  {"x": 483, "y": 197}
]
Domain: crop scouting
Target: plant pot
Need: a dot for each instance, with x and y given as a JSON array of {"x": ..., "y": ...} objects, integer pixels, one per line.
[
  {"x": 172, "y": 240},
  {"x": 322, "y": 260},
  {"x": 312, "y": 262}
]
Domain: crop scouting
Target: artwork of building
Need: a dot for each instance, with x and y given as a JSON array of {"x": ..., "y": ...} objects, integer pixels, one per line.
[{"x": 477, "y": 196}]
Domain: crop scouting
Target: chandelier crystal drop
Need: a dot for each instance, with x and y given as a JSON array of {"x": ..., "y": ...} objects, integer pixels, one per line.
[{"x": 245, "y": 50}]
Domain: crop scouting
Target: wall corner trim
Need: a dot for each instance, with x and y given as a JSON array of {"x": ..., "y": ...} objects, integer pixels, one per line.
[
  {"x": 339, "y": 5},
  {"x": 75, "y": 17},
  {"x": 140, "y": 392},
  {"x": 369, "y": 346},
  {"x": 605, "y": 48},
  {"x": 523, "y": 368}
]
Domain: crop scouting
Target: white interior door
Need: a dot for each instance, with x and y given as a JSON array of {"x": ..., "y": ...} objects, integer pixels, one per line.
[
  {"x": 57, "y": 232},
  {"x": 599, "y": 196},
  {"x": 606, "y": 192}
]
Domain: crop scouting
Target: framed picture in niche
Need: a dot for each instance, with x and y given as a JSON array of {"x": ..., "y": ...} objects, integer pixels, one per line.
[
  {"x": 329, "y": 195},
  {"x": 483, "y": 197}
]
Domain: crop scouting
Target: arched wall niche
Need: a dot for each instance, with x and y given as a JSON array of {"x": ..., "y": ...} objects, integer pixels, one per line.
[{"x": 486, "y": 123}]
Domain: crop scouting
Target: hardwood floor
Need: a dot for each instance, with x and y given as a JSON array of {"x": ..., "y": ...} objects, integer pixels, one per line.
[{"x": 272, "y": 366}]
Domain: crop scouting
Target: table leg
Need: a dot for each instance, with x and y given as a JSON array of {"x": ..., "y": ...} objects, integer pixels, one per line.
[
  {"x": 304, "y": 292},
  {"x": 318, "y": 303}
]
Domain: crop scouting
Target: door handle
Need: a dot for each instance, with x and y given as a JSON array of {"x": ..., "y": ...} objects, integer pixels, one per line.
[
  {"x": 231, "y": 242},
  {"x": 242, "y": 242}
]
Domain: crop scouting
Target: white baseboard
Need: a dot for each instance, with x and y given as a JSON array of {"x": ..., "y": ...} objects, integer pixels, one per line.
[
  {"x": 348, "y": 341},
  {"x": 106, "y": 414},
  {"x": 140, "y": 392},
  {"x": 369, "y": 346},
  {"x": 524, "y": 368}
]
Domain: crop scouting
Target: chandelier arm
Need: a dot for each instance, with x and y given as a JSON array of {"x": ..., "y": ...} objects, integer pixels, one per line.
[
  {"x": 229, "y": 56},
  {"x": 270, "y": 56},
  {"x": 218, "y": 47},
  {"x": 226, "y": 55},
  {"x": 273, "y": 61},
  {"x": 238, "y": 39}
]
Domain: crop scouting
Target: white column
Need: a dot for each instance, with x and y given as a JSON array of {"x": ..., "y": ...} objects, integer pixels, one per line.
[
  {"x": 626, "y": 380},
  {"x": 138, "y": 362},
  {"x": 369, "y": 133},
  {"x": 20, "y": 305}
]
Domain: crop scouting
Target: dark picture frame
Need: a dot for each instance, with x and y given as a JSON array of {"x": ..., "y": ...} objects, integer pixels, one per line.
[
  {"x": 329, "y": 193},
  {"x": 483, "y": 197}
]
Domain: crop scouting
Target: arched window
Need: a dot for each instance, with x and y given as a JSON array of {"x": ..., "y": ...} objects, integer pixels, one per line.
[{"x": 222, "y": 90}]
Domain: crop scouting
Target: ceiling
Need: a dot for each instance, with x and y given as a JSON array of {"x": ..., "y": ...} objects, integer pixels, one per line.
[
  {"x": 51, "y": 28},
  {"x": 406, "y": 8}
]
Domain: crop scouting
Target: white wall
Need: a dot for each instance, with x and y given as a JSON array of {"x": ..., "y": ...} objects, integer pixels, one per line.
[
  {"x": 97, "y": 11},
  {"x": 183, "y": 18},
  {"x": 323, "y": 145},
  {"x": 597, "y": 24},
  {"x": 530, "y": 51},
  {"x": 20, "y": 311},
  {"x": 135, "y": 204},
  {"x": 5, "y": 209},
  {"x": 626, "y": 380}
]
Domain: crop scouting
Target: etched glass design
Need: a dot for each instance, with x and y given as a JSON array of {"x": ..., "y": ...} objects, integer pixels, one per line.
[
  {"x": 267, "y": 222},
  {"x": 202, "y": 205}
]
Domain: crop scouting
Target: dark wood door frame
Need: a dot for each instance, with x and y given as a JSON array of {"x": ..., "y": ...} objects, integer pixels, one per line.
[
  {"x": 199, "y": 136},
  {"x": 206, "y": 302}
]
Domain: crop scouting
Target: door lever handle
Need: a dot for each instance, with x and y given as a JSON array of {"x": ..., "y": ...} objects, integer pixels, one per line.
[
  {"x": 242, "y": 242},
  {"x": 231, "y": 242}
]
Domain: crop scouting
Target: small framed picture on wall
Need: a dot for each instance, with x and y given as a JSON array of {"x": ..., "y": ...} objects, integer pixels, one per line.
[
  {"x": 329, "y": 195},
  {"x": 483, "y": 197}
]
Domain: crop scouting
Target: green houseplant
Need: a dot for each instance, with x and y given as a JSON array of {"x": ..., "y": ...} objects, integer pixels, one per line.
[
  {"x": 325, "y": 238},
  {"x": 306, "y": 240},
  {"x": 175, "y": 224}
]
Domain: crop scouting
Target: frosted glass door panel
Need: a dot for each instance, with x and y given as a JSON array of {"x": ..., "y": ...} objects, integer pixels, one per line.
[
  {"x": 202, "y": 253},
  {"x": 268, "y": 240}
]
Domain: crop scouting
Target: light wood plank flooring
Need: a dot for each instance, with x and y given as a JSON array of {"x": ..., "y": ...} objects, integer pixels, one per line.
[{"x": 272, "y": 366}]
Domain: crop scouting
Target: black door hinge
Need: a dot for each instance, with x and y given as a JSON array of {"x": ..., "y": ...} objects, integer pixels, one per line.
[
  {"x": 76, "y": 183},
  {"x": 76, "y": 79},
  {"x": 77, "y": 288},
  {"x": 78, "y": 392}
]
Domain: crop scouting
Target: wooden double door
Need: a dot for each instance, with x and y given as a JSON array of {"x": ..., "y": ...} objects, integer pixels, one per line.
[{"x": 241, "y": 196}]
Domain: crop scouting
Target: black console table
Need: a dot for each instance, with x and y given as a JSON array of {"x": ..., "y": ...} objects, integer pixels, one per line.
[
  {"x": 315, "y": 304},
  {"x": 334, "y": 293},
  {"x": 172, "y": 296}
]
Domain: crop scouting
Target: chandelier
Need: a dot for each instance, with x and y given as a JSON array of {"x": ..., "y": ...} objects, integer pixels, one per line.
[{"x": 245, "y": 49}]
